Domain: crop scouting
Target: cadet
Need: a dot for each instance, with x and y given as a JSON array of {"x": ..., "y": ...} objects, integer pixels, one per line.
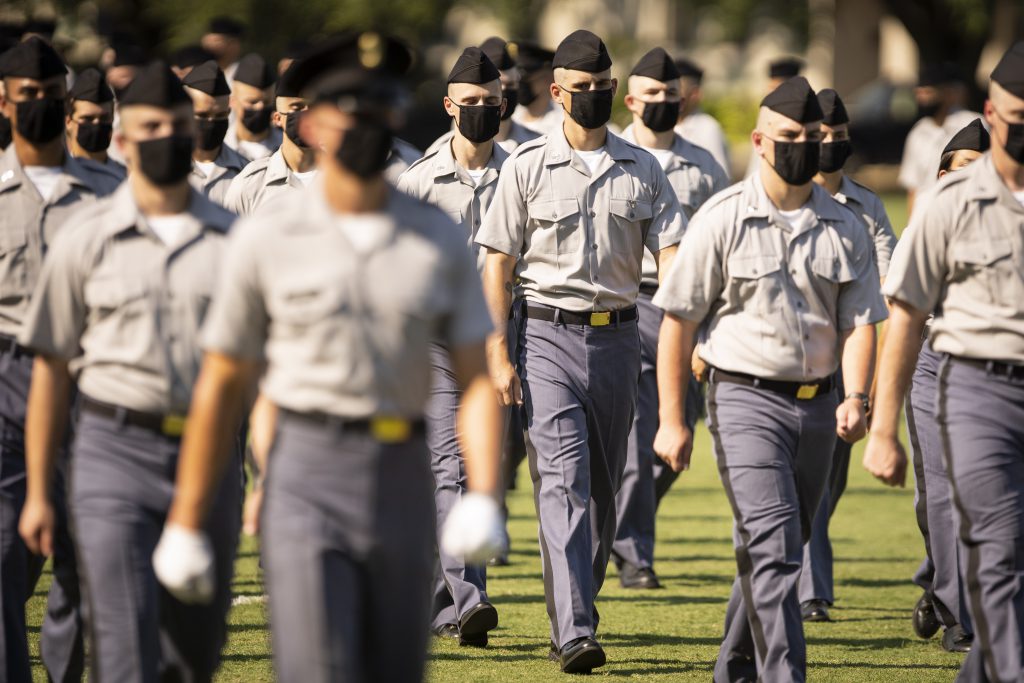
[
  {"x": 459, "y": 178},
  {"x": 291, "y": 167},
  {"x": 310, "y": 287},
  {"x": 40, "y": 186},
  {"x": 223, "y": 40},
  {"x": 119, "y": 304},
  {"x": 694, "y": 175},
  {"x": 187, "y": 58},
  {"x": 782, "y": 280},
  {"x": 695, "y": 124},
  {"x": 214, "y": 163},
  {"x": 402, "y": 156},
  {"x": 568, "y": 225},
  {"x": 511, "y": 133},
  {"x": 537, "y": 111},
  {"x": 90, "y": 124},
  {"x": 964, "y": 261},
  {"x": 252, "y": 102},
  {"x": 779, "y": 71},
  {"x": 816, "y": 585}
]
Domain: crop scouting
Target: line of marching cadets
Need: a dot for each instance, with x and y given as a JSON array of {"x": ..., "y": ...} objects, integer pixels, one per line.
[{"x": 141, "y": 325}]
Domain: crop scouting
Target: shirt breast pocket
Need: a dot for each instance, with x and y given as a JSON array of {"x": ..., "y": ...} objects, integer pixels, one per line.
[
  {"x": 302, "y": 306},
  {"x": 556, "y": 226},
  {"x": 629, "y": 212},
  {"x": 12, "y": 259},
  {"x": 754, "y": 280},
  {"x": 985, "y": 269}
]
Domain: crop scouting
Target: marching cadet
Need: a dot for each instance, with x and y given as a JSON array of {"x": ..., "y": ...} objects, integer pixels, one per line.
[
  {"x": 117, "y": 310},
  {"x": 90, "y": 124},
  {"x": 781, "y": 280},
  {"x": 537, "y": 111},
  {"x": 816, "y": 585},
  {"x": 309, "y": 287},
  {"x": 252, "y": 103},
  {"x": 460, "y": 178},
  {"x": 40, "y": 187},
  {"x": 223, "y": 40},
  {"x": 402, "y": 156},
  {"x": 964, "y": 261},
  {"x": 654, "y": 101},
  {"x": 214, "y": 163},
  {"x": 291, "y": 167},
  {"x": 565, "y": 234},
  {"x": 779, "y": 71},
  {"x": 695, "y": 124},
  {"x": 511, "y": 133}
]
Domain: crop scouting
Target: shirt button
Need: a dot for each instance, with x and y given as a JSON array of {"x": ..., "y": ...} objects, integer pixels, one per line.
[
  {"x": 593, "y": 246},
  {"x": 793, "y": 272},
  {"x": 595, "y": 278},
  {"x": 807, "y": 337},
  {"x": 593, "y": 214},
  {"x": 799, "y": 304}
]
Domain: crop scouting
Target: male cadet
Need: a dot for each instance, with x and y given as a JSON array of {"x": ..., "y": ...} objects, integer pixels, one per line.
[
  {"x": 252, "y": 103},
  {"x": 538, "y": 111},
  {"x": 779, "y": 71},
  {"x": 214, "y": 163},
  {"x": 223, "y": 39},
  {"x": 694, "y": 175},
  {"x": 566, "y": 234},
  {"x": 965, "y": 262},
  {"x": 291, "y": 167},
  {"x": 511, "y": 133},
  {"x": 695, "y": 124},
  {"x": 816, "y": 585},
  {"x": 460, "y": 178},
  {"x": 309, "y": 287},
  {"x": 938, "y": 94},
  {"x": 90, "y": 124},
  {"x": 187, "y": 58},
  {"x": 40, "y": 187},
  {"x": 780, "y": 279},
  {"x": 117, "y": 311},
  {"x": 401, "y": 156}
]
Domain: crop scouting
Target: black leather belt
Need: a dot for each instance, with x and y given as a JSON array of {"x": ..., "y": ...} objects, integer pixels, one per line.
[
  {"x": 648, "y": 289},
  {"x": 994, "y": 367},
  {"x": 591, "y": 318},
  {"x": 11, "y": 345},
  {"x": 171, "y": 425},
  {"x": 800, "y": 390},
  {"x": 384, "y": 429}
]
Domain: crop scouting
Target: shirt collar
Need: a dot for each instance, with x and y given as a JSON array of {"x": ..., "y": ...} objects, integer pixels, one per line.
[
  {"x": 445, "y": 164},
  {"x": 758, "y": 205},
  {"x": 123, "y": 214},
  {"x": 986, "y": 183},
  {"x": 12, "y": 175},
  {"x": 277, "y": 168}
]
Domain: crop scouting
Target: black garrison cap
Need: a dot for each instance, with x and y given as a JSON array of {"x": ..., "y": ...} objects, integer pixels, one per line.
[
  {"x": 656, "y": 64},
  {"x": 352, "y": 64},
  {"x": 972, "y": 136},
  {"x": 208, "y": 78},
  {"x": 156, "y": 86},
  {"x": 39, "y": 26},
  {"x": 129, "y": 54},
  {"x": 33, "y": 58},
  {"x": 1009, "y": 73},
  {"x": 90, "y": 86},
  {"x": 496, "y": 50},
  {"x": 832, "y": 107},
  {"x": 253, "y": 70},
  {"x": 286, "y": 83},
  {"x": 190, "y": 55},
  {"x": 933, "y": 74},
  {"x": 530, "y": 56},
  {"x": 795, "y": 100},
  {"x": 688, "y": 69},
  {"x": 473, "y": 66},
  {"x": 226, "y": 26},
  {"x": 786, "y": 67},
  {"x": 582, "y": 51}
]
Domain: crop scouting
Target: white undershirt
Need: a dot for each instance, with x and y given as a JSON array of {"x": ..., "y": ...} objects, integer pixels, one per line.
[
  {"x": 664, "y": 156},
  {"x": 592, "y": 158},
  {"x": 253, "y": 149},
  {"x": 365, "y": 231},
  {"x": 170, "y": 229},
  {"x": 1019, "y": 196},
  {"x": 205, "y": 166},
  {"x": 44, "y": 178},
  {"x": 476, "y": 174},
  {"x": 305, "y": 178},
  {"x": 798, "y": 219}
]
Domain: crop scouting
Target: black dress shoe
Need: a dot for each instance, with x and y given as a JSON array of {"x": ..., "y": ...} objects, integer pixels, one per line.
[
  {"x": 955, "y": 640},
  {"x": 815, "y": 610},
  {"x": 475, "y": 623},
  {"x": 638, "y": 577},
  {"x": 581, "y": 656},
  {"x": 447, "y": 631},
  {"x": 926, "y": 622}
]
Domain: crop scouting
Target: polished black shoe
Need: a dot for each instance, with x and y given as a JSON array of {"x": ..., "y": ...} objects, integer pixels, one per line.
[
  {"x": 955, "y": 640},
  {"x": 581, "y": 656},
  {"x": 634, "y": 577},
  {"x": 926, "y": 622},
  {"x": 815, "y": 610},
  {"x": 447, "y": 631},
  {"x": 475, "y": 623}
]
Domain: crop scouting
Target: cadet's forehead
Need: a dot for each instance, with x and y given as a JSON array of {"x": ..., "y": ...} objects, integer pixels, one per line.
[
  {"x": 285, "y": 102},
  {"x": 203, "y": 101},
  {"x": 15, "y": 83},
  {"x": 87, "y": 108},
  {"x": 642, "y": 83},
  {"x": 563, "y": 75},
  {"x": 837, "y": 128},
  {"x": 772, "y": 121},
  {"x": 244, "y": 90},
  {"x": 460, "y": 90},
  {"x": 138, "y": 114},
  {"x": 1004, "y": 99}
]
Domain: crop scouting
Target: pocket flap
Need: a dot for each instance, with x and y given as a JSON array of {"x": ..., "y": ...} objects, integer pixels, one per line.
[
  {"x": 982, "y": 253},
  {"x": 753, "y": 267},
  {"x": 113, "y": 293},
  {"x": 834, "y": 269},
  {"x": 556, "y": 210},
  {"x": 631, "y": 209}
]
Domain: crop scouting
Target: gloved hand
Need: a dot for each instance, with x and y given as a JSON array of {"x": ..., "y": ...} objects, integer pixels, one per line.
[
  {"x": 474, "y": 530},
  {"x": 183, "y": 562}
]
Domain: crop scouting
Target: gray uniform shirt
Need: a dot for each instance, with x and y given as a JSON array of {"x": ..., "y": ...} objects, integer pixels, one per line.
[
  {"x": 963, "y": 256},
  {"x": 517, "y": 135},
  {"x": 579, "y": 237},
  {"x": 773, "y": 301},
  {"x": 251, "y": 150},
  {"x": 114, "y": 170},
  {"x": 439, "y": 179},
  {"x": 403, "y": 155},
  {"x": 869, "y": 207},
  {"x": 226, "y": 166},
  {"x": 123, "y": 307},
  {"x": 703, "y": 130},
  {"x": 28, "y": 225},
  {"x": 259, "y": 182},
  {"x": 345, "y": 331}
]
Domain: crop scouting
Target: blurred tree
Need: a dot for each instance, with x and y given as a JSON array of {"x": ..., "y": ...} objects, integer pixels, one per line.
[
  {"x": 739, "y": 17},
  {"x": 947, "y": 30}
]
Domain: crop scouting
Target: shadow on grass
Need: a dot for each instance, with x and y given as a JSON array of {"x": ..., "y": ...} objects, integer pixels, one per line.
[
  {"x": 662, "y": 598},
  {"x": 873, "y": 583}
]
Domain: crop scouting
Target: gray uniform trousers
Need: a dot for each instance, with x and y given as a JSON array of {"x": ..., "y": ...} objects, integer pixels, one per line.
[
  {"x": 636, "y": 504},
  {"x": 457, "y": 587},
  {"x": 579, "y": 388},
  {"x": 981, "y": 418},
  {"x": 348, "y": 544},
  {"x": 122, "y": 483},
  {"x": 768, "y": 447}
]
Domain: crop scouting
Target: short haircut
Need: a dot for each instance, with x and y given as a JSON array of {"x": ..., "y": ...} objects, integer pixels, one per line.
[{"x": 946, "y": 160}]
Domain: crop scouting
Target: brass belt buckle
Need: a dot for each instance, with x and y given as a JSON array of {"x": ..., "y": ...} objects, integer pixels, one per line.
[
  {"x": 600, "y": 319},
  {"x": 807, "y": 392},
  {"x": 390, "y": 429},
  {"x": 173, "y": 425}
]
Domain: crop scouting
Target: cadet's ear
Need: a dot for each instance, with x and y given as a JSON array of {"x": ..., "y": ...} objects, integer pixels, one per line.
[
  {"x": 277, "y": 119},
  {"x": 757, "y": 138},
  {"x": 449, "y": 107},
  {"x": 556, "y": 92}
]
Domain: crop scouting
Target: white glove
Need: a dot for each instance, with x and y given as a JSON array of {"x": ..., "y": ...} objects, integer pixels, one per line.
[
  {"x": 474, "y": 530},
  {"x": 183, "y": 562}
]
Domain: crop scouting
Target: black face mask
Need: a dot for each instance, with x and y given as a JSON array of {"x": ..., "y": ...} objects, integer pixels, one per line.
[
  {"x": 834, "y": 155},
  {"x": 40, "y": 121},
  {"x": 256, "y": 120},
  {"x": 1015, "y": 141},
  {"x": 660, "y": 116},
  {"x": 211, "y": 133},
  {"x": 479, "y": 124},
  {"x": 365, "y": 148},
  {"x": 291, "y": 128},
  {"x": 525, "y": 94},
  {"x": 591, "y": 108},
  {"x": 94, "y": 137},
  {"x": 931, "y": 109},
  {"x": 166, "y": 161},
  {"x": 5, "y": 132},
  {"x": 797, "y": 162},
  {"x": 511, "y": 102}
]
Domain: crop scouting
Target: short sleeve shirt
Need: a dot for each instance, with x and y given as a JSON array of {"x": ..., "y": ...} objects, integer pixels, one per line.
[
  {"x": 869, "y": 207},
  {"x": 261, "y": 181},
  {"x": 226, "y": 167}
]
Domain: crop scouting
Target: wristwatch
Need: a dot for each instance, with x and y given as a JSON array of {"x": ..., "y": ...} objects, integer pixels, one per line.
[{"x": 864, "y": 399}]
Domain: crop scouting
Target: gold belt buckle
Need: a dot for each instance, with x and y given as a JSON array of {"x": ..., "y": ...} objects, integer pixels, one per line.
[
  {"x": 601, "y": 318},
  {"x": 173, "y": 425},
  {"x": 807, "y": 391},
  {"x": 390, "y": 429}
]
